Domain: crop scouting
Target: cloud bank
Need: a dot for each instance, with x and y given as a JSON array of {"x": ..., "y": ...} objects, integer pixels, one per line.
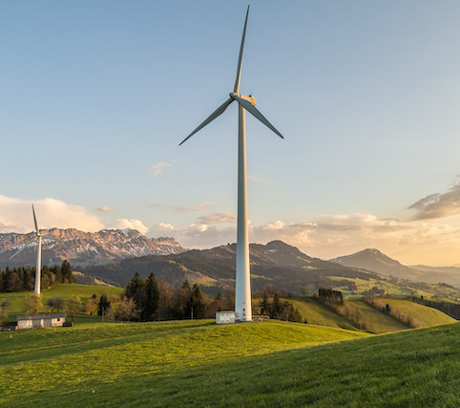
[
  {"x": 16, "y": 215},
  {"x": 439, "y": 205},
  {"x": 124, "y": 223}
]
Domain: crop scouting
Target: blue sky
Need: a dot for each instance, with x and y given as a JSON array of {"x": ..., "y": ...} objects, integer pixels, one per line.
[{"x": 96, "y": 96}]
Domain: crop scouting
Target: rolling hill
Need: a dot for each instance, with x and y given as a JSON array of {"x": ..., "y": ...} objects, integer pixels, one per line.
[
  {"x": 276, "y": 262},
  {"x": 373, "y": 260},
  {"x": 84, "y": 292},
  {"x": 358, "y": 315},
  {"x": 353, "y": 315},
  {"x": 198, "y": 363}
]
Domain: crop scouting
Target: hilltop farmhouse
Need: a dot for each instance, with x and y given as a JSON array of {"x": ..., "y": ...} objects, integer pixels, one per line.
[{"x": 40, "y": 320}]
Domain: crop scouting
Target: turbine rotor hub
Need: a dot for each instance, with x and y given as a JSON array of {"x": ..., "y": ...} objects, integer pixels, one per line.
[{"x": 249, "y": 98}]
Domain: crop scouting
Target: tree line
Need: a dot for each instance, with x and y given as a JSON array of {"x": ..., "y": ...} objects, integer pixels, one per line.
[
  {"x": 277, "y": 308},
  {"x": 22, "y": 279},
  {"x": 155, "y": 299},
  {"x": 333, "y": 299}
]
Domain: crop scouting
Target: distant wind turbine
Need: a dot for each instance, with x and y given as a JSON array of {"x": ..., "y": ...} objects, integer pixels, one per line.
[
  {"x": 38, "y": 237},
  {"x": 243, "y": 309}
]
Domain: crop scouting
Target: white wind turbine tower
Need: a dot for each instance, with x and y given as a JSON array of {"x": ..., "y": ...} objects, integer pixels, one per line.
[
  {"x": 38, "y": 237},
  {"x": 243, "y": 309}
]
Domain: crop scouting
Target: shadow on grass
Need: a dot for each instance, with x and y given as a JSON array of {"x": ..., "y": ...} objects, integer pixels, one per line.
[{"x": 419, "y": 368}]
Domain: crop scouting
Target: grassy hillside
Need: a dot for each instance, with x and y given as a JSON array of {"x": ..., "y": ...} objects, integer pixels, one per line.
[
  {"x": 369, "y": 318},
  {"x": 316, "y": 313},
  {"x": 85, "y": 363},
  {"x": 373, "y": 320},
  {"x": 17, "y": 299},
  {"x": 199, "y": 364},
  {"x": 391, "y": 286},
  {"x": 421, "y": 315}
]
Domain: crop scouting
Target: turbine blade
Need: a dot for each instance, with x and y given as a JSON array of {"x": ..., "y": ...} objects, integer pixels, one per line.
[
  {"x": 219, "y": 111},
  {"x": 52, "y": 238},
  {"x": 257, "y": 114},
  {"x": 240, "y": 57},
  {"x": 22, "y": 248},
  {"x": 35, "y": 219}
]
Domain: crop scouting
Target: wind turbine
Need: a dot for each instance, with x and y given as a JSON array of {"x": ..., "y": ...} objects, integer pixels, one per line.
[
  {"x": 243, "y": 309},
  {"x": 38, "y": 237}
]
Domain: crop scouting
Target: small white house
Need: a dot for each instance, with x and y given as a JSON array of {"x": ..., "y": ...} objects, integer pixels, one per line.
[
  {"x": 40, "y": 320},
  {"x": 225, "y": 317}
]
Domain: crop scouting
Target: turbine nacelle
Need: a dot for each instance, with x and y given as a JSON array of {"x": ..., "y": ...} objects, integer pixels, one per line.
[{"x": 250, "y": 98}]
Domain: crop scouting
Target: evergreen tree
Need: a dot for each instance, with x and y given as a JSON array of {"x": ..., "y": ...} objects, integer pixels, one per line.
[
  {"x": 14, "y": 283},
  {"x": 179, "y": 308},
  {"x": 135, "y": 289},
  {"x": 23, "y": 278},
  {"x": 196, "y": 303},
  {"x": 2, "y": 280},
  {"x": 57, "y": 271},
  {"x": 276, "y": 307},
  {"x": 103, "y": 306},
  {"x": 151, "y": 298},
  {"x": 66, "y": 271},
  {"x": 265, "y": 304}
]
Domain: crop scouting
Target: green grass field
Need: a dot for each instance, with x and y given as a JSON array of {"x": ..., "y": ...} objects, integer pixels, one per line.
[
  {"x": 85, "y": 362},
  {"x": 316, "y": 313},
  {"x": 376, "y": 321},
  {"x": 422, "y": 315},
  {"x": 395, "y": 287},
  {"x": 200, "y": 364},
  {"x": 17, "y": 299}
]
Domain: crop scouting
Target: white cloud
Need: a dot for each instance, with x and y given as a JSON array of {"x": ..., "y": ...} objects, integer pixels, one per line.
[
  {"x": 439, "y": 205},
  {"x": 105, "y": 209},
  {"x": 16, "y": 215},
  {"x": 277, "y": 225},
  {"x": 158, "y": 168},
  {"x": 409, "y": 241},
  {"x": 124, "y": 223},
  {"x": 165, "y": 226}
]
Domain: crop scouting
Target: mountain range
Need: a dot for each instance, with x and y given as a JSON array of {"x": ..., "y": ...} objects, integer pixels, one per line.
[
  {"x": 115, "y": 255},
  {"x": 275, "y": 263},
  {"x": 83, "y": 248},
  {"x": 372, "y": 259}
]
